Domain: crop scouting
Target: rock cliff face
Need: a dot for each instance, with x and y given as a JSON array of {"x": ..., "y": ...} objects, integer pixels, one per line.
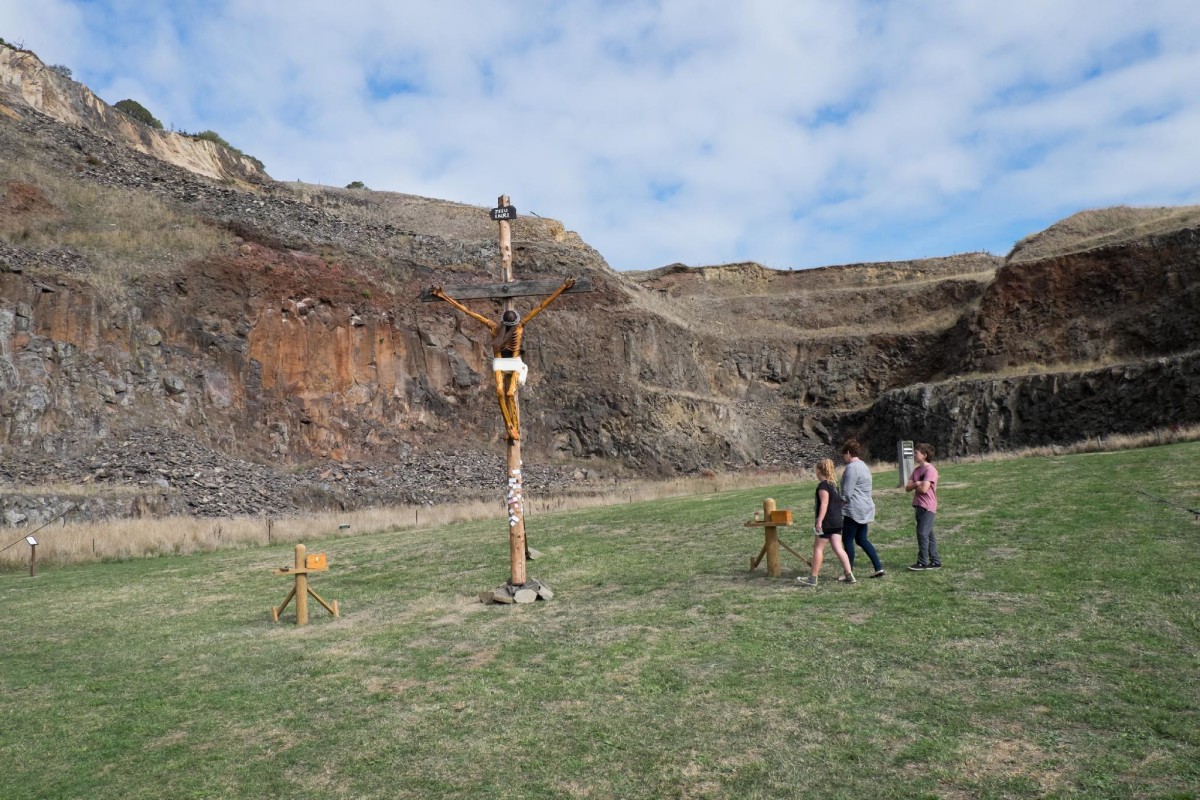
[
  {"x": 1116, "y": 303},
  {"x": 151, "y": 297}
]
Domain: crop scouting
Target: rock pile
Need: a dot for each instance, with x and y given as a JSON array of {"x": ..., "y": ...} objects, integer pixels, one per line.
[
  {"x": 176, "y": 474},
  {"x": 530, "y": 591}
]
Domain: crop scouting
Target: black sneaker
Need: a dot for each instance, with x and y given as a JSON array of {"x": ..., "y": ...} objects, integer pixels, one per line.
[
  {"x": 879, "y": 574},
  {"x": 935, "y": 565},
  {"x": 919, "y": 567}
]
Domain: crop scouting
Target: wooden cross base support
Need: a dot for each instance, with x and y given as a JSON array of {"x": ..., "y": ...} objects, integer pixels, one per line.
[{"x": 530, "y": 591}]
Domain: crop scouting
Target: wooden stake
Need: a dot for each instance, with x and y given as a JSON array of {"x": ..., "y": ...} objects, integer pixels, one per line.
[
  {"x": 772, "y": 540},
  {"x": 516, "y": 514},
  {"x": 754, "y": 561},
  {"x": 332, "y": 608},
  {"x": 301, "y": 587},
  {"x": 506, "y": 273},
  {"x": 32, "y": 560},
  {"x": 277, "y": 610},
  {"x": 784, "y": 545}
]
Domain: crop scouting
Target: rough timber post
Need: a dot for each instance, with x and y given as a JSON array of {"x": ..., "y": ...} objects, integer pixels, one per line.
[
  {"x": 516, "y": 513},
  {"x": 771, "y": 539},
  {"x": 301, "y": 587}
]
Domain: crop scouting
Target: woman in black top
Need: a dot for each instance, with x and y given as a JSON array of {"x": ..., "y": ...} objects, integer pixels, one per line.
[{"x": 827, "y": 507}]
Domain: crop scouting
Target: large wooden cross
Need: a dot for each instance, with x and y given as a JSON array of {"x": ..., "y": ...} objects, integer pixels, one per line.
[{"x": 509, "y": 369}]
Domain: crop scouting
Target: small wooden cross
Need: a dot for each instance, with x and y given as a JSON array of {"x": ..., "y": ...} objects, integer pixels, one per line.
[
  {"x": 305, "y": 564},
  {"x": 771, "y": 519}
]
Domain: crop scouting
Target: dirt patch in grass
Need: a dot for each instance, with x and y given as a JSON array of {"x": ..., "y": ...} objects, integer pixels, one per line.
[
  {"x": 470, "y": 656},
  {"x": 167, "y": 740},
  {"x": 1003, "y": 553},
  {"x": 987, "y": 758},
  {"x": 463, "y": 606},
  {"x": 377, "y": 685},
  {"x": 573, "y": 789},
  {"x": 977, "y": 645}
]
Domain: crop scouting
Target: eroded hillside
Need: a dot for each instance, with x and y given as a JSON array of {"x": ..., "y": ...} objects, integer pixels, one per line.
[{"x": 278, "y": 324}]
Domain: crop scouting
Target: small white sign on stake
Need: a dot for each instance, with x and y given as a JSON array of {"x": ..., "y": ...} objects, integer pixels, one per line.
[{"x": 32, "y": 541}]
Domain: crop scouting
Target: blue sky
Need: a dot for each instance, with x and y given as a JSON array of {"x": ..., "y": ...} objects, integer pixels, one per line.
[{"x": 795, "y": 133}]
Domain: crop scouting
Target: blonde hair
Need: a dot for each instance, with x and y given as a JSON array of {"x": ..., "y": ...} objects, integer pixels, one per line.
[{"x": 825, "y": 469}]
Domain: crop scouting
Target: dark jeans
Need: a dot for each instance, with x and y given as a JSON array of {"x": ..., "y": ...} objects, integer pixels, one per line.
[
  {"x": 926, "y": 542},
  {"x": 856, "y": 533}
]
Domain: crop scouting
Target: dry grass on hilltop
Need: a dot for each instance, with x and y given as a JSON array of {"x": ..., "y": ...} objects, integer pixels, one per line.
[
  {"x": 124, "y": 234},
  {"x": 1102, "y": 227}
]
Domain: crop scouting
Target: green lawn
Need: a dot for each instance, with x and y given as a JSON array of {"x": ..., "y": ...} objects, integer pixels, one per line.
[{"x": 1057, "y": 654}]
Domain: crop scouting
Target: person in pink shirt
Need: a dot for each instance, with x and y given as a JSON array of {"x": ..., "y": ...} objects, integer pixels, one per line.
[{"x": 923, "y": 481}]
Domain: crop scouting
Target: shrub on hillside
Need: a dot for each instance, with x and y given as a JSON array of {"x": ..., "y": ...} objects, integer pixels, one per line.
[
  {"x": 139, "y": 112},
  {"x": 356, "y": 185},
  {"x": 61, "y": 69},
  {"x": 215, "y": 138}
]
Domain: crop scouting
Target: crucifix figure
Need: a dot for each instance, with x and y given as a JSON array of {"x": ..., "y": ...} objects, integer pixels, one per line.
[
  {"x": 507, "y": 366},
  {"x": 506, "y": 351}
]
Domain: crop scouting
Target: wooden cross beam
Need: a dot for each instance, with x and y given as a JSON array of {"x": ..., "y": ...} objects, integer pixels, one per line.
[{"x": 503, "y": 291}]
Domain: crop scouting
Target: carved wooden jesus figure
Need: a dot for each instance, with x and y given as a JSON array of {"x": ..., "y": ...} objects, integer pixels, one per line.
[{"x": 506, "y": 344}]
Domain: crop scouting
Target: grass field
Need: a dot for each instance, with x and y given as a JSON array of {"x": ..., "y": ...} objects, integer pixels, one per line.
[{"x": 1057, "y": 654}]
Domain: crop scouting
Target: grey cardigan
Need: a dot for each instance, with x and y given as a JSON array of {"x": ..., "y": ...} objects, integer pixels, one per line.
[{"x": 856, "y": 488}]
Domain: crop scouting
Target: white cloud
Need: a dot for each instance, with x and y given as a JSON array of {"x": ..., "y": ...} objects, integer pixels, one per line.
[
  {"x": 56, "y": 25},
  {"x": 793, "y": 133}
]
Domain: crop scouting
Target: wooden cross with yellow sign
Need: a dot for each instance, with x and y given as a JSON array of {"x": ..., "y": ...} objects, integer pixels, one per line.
[
  {"x": 509, "y": 369},
  {"x": 301, "y": 590},
  {"x": 769, "y": 520}
]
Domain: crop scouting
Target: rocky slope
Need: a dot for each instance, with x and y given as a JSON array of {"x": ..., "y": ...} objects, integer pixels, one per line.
[
  {"x": 233, "y": 344},
  {"x": 25, "y": 82}
]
